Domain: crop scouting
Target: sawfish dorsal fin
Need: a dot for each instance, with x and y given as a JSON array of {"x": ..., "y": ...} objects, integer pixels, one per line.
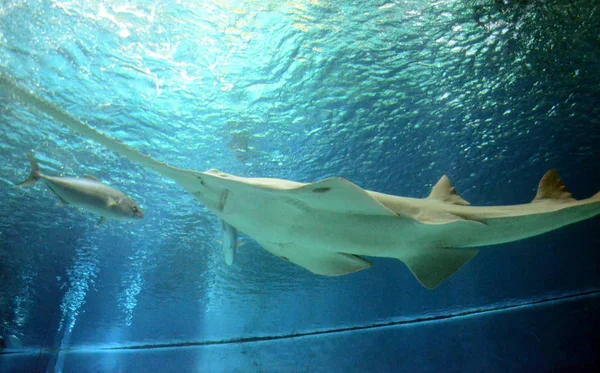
[
  {"x": 445, "y": 192},
  {"x": 551, "y": 187}
]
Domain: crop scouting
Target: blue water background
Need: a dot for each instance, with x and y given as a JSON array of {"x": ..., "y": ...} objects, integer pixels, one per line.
[{"x": 388, "y": 95}]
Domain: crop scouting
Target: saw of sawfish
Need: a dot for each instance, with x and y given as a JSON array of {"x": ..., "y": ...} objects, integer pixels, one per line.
[{"x": 328, "y": 226}]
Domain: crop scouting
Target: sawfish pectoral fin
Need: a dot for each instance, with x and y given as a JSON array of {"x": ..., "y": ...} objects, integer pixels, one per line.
[{"x": 433, "y": 267}]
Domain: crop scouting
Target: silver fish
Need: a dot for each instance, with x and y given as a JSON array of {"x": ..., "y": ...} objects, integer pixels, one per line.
[{"x": 87, "y": 193}]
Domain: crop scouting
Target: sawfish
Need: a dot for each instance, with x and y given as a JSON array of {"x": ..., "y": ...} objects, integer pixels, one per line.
[{"x": 329, "y": 226}]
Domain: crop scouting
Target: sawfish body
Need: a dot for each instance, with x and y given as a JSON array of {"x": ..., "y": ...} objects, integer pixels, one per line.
[{"x": 327, "y": 226}]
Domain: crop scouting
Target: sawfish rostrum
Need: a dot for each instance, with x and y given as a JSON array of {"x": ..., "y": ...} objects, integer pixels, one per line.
[{"x": 87, "y": 193}]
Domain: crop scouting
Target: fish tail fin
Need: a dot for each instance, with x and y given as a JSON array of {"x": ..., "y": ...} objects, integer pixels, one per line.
[{"x": 35, "y": 173}]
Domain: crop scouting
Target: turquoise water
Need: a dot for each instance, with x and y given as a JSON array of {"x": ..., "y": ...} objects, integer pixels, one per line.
[{"x": 388, "y": 95}]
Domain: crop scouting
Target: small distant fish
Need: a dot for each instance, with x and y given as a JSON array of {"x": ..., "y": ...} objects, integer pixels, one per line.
[{"x": 88, "y": 193}]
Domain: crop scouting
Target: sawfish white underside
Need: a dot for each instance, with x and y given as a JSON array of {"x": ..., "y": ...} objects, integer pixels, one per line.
[{"x": 327, "y": 226}]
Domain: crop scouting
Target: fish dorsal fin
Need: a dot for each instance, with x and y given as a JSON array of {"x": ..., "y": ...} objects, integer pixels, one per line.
[
  {"x": 445, "y": 192},
  {"x": 91, "y": 178},
  {"x": 551, "y": 187}
]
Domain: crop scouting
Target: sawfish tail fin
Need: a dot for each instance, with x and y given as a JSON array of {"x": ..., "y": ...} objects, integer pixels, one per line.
[{"x": 35, "y": 173}]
